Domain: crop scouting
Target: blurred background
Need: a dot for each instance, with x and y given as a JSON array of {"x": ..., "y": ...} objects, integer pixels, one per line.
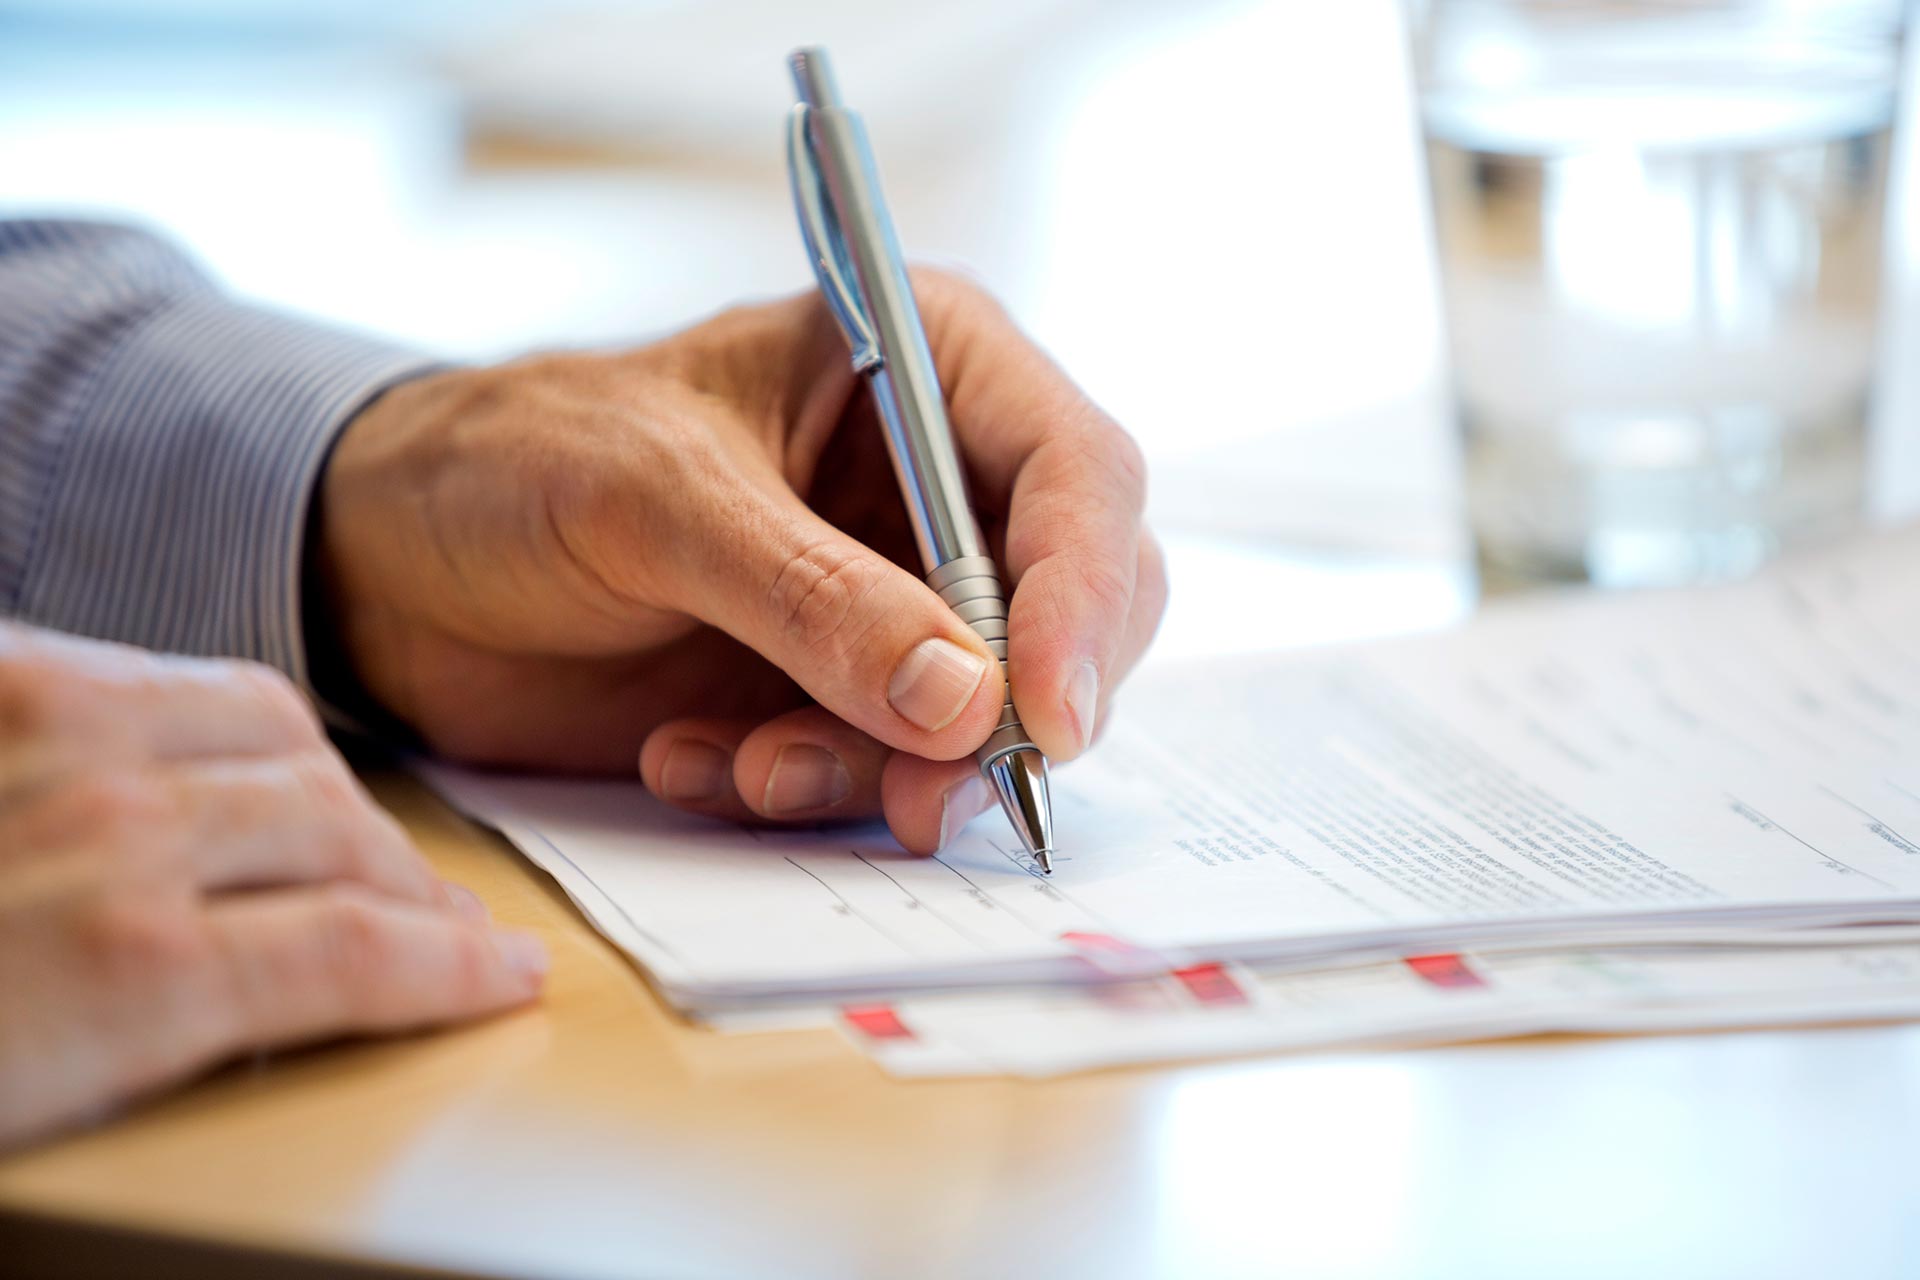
[{"x": 1212, "y": 212}]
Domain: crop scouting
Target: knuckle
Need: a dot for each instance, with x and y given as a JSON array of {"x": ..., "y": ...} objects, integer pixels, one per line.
[
  {"x": 476, "y": 393},
  {"x": 358, "y": 951},
  {"x": 149, "y": 960},
  {"x": 140, "y": 943},
  {"x": 278, "y": 699},
  {"x": 1125, "y": 456},
  {"x": 818, "y": 595},
  {"x": 374, "y": 850},
  {"x": 121, "y": 810},
  {"x": 326, "y": 783},
  {"x": 1109, "y": 587},
  {"x": 345, "y": 820},
  {"x": 1107, "y": 445}
]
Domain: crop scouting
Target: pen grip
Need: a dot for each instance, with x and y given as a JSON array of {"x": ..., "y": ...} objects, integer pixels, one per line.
[{"x": 971, "y": 587}]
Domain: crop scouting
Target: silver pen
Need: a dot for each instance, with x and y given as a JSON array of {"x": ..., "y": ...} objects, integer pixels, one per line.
[{"x": 849, "y": 237}]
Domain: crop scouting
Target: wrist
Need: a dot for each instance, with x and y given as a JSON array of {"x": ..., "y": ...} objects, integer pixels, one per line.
[{"x": 334, "y": 673}]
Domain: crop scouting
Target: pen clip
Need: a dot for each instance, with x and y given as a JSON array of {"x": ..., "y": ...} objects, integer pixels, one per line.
[{"x": 825, "y": 248}]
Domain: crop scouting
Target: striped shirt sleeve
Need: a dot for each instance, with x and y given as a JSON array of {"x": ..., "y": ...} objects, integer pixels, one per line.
[{"x": 160, "y": 444}]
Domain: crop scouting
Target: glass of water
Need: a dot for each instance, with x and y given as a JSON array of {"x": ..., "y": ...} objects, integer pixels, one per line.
[{"x": 1659, "y": 231}]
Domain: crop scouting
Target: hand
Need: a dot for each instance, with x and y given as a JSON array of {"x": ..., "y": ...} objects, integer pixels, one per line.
[
  {"x": 691, "y": 555},
  {"x": 188, "y": 871}
]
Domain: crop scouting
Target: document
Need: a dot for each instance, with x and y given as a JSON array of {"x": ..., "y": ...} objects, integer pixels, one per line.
[{"x": 1587, "y": 772}]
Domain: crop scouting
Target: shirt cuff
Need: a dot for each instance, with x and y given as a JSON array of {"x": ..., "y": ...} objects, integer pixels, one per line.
[{"x": 179, "y": 510}]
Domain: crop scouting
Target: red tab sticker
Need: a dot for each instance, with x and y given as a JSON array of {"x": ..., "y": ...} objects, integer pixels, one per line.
[
  {"x": 876, "y": 1021},
  {"x": 1099, "y": 944},
  {"x": 1445, "y": 970},
  {"x": 1116, "y": 957},
  {"x": 1211, "y": 984}
]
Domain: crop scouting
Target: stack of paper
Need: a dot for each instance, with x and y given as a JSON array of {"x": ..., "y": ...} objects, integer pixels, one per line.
[
  {"x": 1594, "y": 784},
  {"x": 1224, "y": 1009}
]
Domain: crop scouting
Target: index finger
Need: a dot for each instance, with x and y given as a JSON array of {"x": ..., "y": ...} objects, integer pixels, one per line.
[
  {"x": 1071, "y": 485},
  {"x": 61, "y": 692}
]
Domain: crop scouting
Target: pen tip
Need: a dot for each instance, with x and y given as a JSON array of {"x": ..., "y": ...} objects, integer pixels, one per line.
[{"x": 1019, "y": 778}]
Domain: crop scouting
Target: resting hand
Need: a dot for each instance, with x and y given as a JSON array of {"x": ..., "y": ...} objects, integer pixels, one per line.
[
  {"x": 691, "y": 555},
  {"x": 187, "y": 870}
]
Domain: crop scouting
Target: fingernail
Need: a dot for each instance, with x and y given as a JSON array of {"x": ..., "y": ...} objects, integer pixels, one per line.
[
  {"x": 464, "y": 901},
  {"x": 962, "y": 803},
  {"x": 525, "y": 954},
  {"x": 1083, "y": 701},
  {"x": 695, "y": 770},
  {"x": 805, "y": 777},
  {"x": 935, "y": 682}
]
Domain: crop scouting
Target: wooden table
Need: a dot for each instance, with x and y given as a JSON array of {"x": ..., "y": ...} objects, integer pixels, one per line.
[{"x": 597, "y": 1136}]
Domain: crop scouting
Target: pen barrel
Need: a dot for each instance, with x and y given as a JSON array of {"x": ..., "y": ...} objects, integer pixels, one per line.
[
  {"x": 971, "y": 587},
  {"x": 899, "y": 364}
]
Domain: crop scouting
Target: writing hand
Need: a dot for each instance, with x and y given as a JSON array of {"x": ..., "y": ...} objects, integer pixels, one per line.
[{"x": 691, "y": 556}]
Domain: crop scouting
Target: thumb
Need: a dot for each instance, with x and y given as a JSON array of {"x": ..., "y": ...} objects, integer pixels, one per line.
[{"x": 869, "y": 641}]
